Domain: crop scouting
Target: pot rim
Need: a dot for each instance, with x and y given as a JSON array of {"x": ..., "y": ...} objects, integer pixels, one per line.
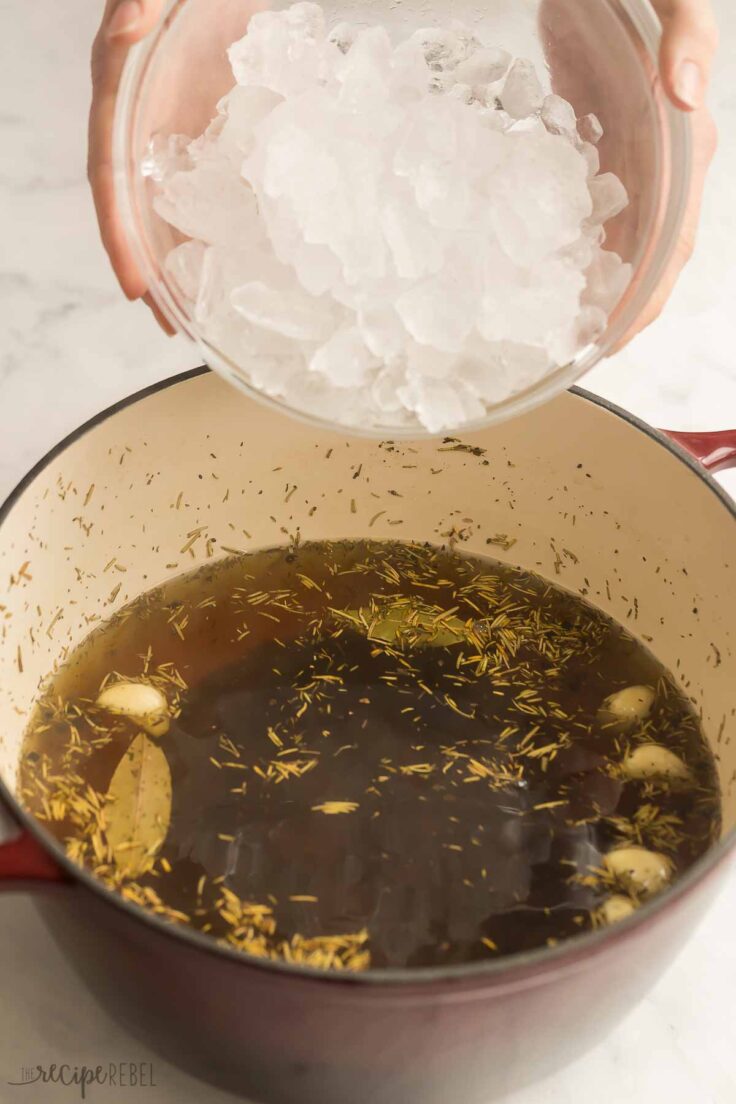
[{"x": 547, "y": 959}]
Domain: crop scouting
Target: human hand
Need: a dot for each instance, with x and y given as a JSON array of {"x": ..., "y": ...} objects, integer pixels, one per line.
[
  {"x": 124, "y": 22},
  {"x": 689, "y": 42}
]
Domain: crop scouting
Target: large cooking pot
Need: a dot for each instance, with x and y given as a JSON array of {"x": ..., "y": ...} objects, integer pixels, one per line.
[{"x": 594, "y": 500}]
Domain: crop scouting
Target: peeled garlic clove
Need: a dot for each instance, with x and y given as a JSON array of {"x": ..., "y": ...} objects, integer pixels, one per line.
[
  {"x": 616, "y": 908},
  {"x": 655, "y": 761},
  {"x": 628, "y": 706},
  {"x": 641, "y": 871},
  {"x": 143, "y": 703}
]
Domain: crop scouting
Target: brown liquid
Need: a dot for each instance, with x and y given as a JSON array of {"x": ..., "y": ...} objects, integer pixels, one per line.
[{"x": 486, "y": 791}]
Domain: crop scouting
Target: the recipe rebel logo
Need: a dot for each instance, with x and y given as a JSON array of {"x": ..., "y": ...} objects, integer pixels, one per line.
[{"x": 121, "y": 1075}]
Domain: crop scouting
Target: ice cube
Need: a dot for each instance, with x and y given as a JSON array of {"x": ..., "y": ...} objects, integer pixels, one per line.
[
  {"x": 592, "y": 157},
  {"x": 293, "y": 313},
  {"x": 315, "y": 395},
  {"x": 607, "y": 279},
  {"x": 364, "y": 72},
  {"x": 382, "y": 331},
  {"x": 595, "y": 234},
  {"x": 295, "y": 164},
  {"x": 306, "y": 20},
  {"x": 184, "y": 265},
  {"x": 226, "y": 267},
  {"x": 472, "y": 408},
  {"x": 540, "y": 197},
  {"x": 462, "y": 92},
  {"x": 438, "y": 155},
  {"x": 385, "y": 421},
  {"x": 212, "y": 293},
  {"x": 344, "y": 359},
  {"x": 566, "y": 343},
  {"x": 300, "y": 190},
  {"x": 282, "y": 50},
  {"x": 558, "y": 116},
  {"x": 441, "y": 310},
  {"x": 410, "y": 77},
  {"x": 501, "y": 369},
  {"x": 417, "y": 248},
  {"x": 207, "y": 146},
  {"x": 444, "y": 48},
  {"x": 494, "y": 119},
  {"x": 424, "y": 362},
  {"x": 244, "y": 108},
  {"x": 316, "y": 267},
  {"x": 245, "y": 345},
  {"x": 165, "y": 156},
  {"x": 367, "y": 294},
  {"x": 210, "y": 204},
  {"x": 590, "y": 129},
  {"x": 609, "y": 197},
  {"x": 439, "y": 83},
  {"x": 441, "y": 405},
  {"x": 343, "y": 36},
  {"x": 528, "y": 305},
  {"x": 324, "y": 169},
  {"x": 522, "y": 93},
  {"x": 428, "y": 136},
  {"x": 275, "y": 375},
  {"x": 385, "y": 389},
  {"x": 591, "y": 325},
  {"x": 485, "y": 66},
  {"x": 531, "y": 124},
  {"x": 580, "y": 253}
]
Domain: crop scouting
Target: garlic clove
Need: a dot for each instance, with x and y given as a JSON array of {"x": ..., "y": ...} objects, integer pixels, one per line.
[
  {"x": 638, "y": 870},
  {"x": 141, "y": 702},
  {"x": 627, "y": 707},
  {"x": 655, "y": 761},
  {"x": 616, "y": 908}
]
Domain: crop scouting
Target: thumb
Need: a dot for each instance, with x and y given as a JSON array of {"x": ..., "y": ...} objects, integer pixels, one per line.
[
  {"x": 127, "y": 21},
  {"x": 124, "y": 23},
  {"x": 689, "y": 42}
]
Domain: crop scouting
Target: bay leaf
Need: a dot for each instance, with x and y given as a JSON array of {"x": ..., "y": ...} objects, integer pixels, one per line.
[
  {"x": 138, "y": 807},
  {"x": 402, "y": 622}
]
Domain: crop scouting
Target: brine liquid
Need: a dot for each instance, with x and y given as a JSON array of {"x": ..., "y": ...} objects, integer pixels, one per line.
[{"x": 380, "y": 755}]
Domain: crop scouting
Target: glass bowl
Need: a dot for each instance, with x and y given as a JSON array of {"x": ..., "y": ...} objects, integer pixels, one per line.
[{"x": 601, "y": 55}]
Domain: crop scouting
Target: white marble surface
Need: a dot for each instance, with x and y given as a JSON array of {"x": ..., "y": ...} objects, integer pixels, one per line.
[{"x": 71, "y": 345}]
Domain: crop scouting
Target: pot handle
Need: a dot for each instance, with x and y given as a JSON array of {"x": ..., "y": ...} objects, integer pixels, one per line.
[
  {"x": 24, "y": 864},
  {"x": 716, "y": 451}
]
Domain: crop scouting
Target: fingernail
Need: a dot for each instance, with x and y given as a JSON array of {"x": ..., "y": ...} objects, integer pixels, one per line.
[
  {"x": 689, "y": 84},
  {"x": 125, "y": 19}
]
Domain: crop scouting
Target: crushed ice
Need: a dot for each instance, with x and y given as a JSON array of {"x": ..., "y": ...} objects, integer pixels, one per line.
[{"x": 389, "y": 236}]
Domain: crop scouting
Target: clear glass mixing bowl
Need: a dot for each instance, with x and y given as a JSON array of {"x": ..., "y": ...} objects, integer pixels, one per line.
[{"x": 599, "y": 54}]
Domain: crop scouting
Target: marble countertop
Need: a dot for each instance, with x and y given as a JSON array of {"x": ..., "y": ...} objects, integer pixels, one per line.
[{"x": 71, "y": 345}]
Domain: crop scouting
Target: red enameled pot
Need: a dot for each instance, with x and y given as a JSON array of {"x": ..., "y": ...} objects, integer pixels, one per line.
[{"x": 594, "y": 499}]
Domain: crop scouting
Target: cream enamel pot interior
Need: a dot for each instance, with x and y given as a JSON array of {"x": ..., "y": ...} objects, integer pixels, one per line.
[{"x": 593, "y": 500}]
